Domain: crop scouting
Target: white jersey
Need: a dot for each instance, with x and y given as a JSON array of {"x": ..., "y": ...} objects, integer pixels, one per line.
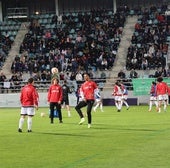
[{"x": 97, "y": 95}]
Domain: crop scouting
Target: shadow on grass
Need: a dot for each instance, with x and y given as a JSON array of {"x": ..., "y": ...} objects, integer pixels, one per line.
[
  {"x": 118, "y": 128},
  {"x": 63, "y": 134}
]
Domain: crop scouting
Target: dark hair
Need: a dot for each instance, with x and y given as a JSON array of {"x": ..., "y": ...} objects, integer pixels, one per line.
[
  {"x": 154, "y": 83},
  {"x": 86, "y": 74},
  {"x": 160, "y": 79},
  {"x": 30, "y": 80},
  {"x": 118, "y": 83}
]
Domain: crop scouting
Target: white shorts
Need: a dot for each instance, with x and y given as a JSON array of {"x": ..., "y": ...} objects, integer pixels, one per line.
[
  {"x": 153, "y": 98},
  {"x": 118, "y": 98},
  {"x": 98, "y": 100},
  {"x": 28, "y": 111},
  {"x": 124, "y": 97},
  {"x": 162, "y": 97}
]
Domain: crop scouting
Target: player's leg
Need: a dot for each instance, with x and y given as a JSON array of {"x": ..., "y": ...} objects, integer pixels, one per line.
[
  {"x": 22, "y": 118},
  {"x": 52, "y": 105},
  {"x": 68, "y": 107},
  {"x": 97, "y": 105},
  {"x": 78, "y": 109},
  {"x": 150, "y": 104},
  {"x": 30, "y": 113},
  {"x": 58, "y": 108},
  {"x": 89, "y": 108},
  {"x": 101, "y": 106}
]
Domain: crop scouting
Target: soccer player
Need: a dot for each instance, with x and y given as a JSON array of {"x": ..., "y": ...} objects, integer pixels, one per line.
[
  {"x": 55, "y": 96},
  {"x": 162, "y": 94},
  {"x": 65, "y": 101},
  {"x": 124, "y": 95},
  {"x": 87, "y": 90},
  {"x": 98, "y": 100},
  {"x": 117, "y": 93},
  {"x": 153, "y": 97},
  {"x": 29, "y": 101}
]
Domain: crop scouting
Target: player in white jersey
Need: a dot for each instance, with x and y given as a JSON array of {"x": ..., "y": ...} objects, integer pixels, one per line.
[
  {"x": 98, "y": 100},
  {"x": 125, "y": 96},
  {"x": 153, "y": 97}
]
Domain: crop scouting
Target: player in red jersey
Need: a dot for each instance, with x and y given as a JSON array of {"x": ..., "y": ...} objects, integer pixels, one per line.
[
  {"x": 162, "y": 93},
  {"x": 55, "y": 96},
  {"x": 29, "y": 101},
  {"x": 117, "y": 93},
  {"x": 87, "y": 91}
]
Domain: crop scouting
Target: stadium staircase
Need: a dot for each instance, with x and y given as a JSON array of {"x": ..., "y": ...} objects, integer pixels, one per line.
[
  {"x": 120, "y": 61},
  {"x": 15, "y": 49}
]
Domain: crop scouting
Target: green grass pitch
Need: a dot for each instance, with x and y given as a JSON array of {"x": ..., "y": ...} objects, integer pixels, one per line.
[{"x": 133, "y": 138}]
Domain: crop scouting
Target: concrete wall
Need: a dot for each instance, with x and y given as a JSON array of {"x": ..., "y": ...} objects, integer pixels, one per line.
[{"x": 12, "y": 99}]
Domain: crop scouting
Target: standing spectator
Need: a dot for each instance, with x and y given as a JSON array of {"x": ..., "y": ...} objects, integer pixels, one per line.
[
  {"x": 153, "y": 97},
  {"x": 55, "y": 96},
  {"x": 65, "y": 101},
  {"x": 162, "y": 93},
  {"x": 87, "y": 90},
  {"x": 29, "y": 100}
]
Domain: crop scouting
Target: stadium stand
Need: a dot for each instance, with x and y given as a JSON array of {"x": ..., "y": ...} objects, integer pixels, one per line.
[{"x": 88, "y": 41}]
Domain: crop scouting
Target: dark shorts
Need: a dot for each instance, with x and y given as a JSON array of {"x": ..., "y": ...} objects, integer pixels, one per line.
[{"x": 65, "y": 101}]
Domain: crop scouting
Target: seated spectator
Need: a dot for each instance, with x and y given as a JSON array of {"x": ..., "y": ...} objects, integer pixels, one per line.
[
  {"x": 2, "y": 80},
  {"x": 72, "y": 76},
  {"x": 104, "y": 64},
  {"x": 121, "y": 75},
  {"x": 133, "y": 74},
  {"x": 144, "y": 64},
  {"x": 47, "y": 34},
  {"x": 16, "y": 82},
  {"x": 62, "y": 76},
  {"x": 134, "y": 62},
  {"x": 44, "y": 76},
  {"x": 79, "y": 76},
  {"x": 103, "y": 75},
  {"x": 158, "y": 73}
]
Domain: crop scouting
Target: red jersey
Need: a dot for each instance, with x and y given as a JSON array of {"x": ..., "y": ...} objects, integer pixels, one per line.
[
  {"x": 87, "y": 89},
  {"x": 161, "y": 88},
  {"x": 29, "y": 96},
  {"x": 117, "y": 91},
  {"x": 55, "y": 93}
]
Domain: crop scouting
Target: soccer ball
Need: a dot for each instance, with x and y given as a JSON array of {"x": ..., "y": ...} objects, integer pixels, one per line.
[
  {"x": 54, "y": 70},
  {"x": 42, "y": 114}
]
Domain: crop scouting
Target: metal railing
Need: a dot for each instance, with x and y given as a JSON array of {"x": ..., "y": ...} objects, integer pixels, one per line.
[
  {"x": 42, "y": 86},
  {"x": 17, "y": 13}
]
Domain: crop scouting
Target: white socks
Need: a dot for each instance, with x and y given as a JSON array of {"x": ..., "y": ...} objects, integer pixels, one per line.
[
  {"x": 21, "y": 122},
  {"x": 29, "y": 123}
]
